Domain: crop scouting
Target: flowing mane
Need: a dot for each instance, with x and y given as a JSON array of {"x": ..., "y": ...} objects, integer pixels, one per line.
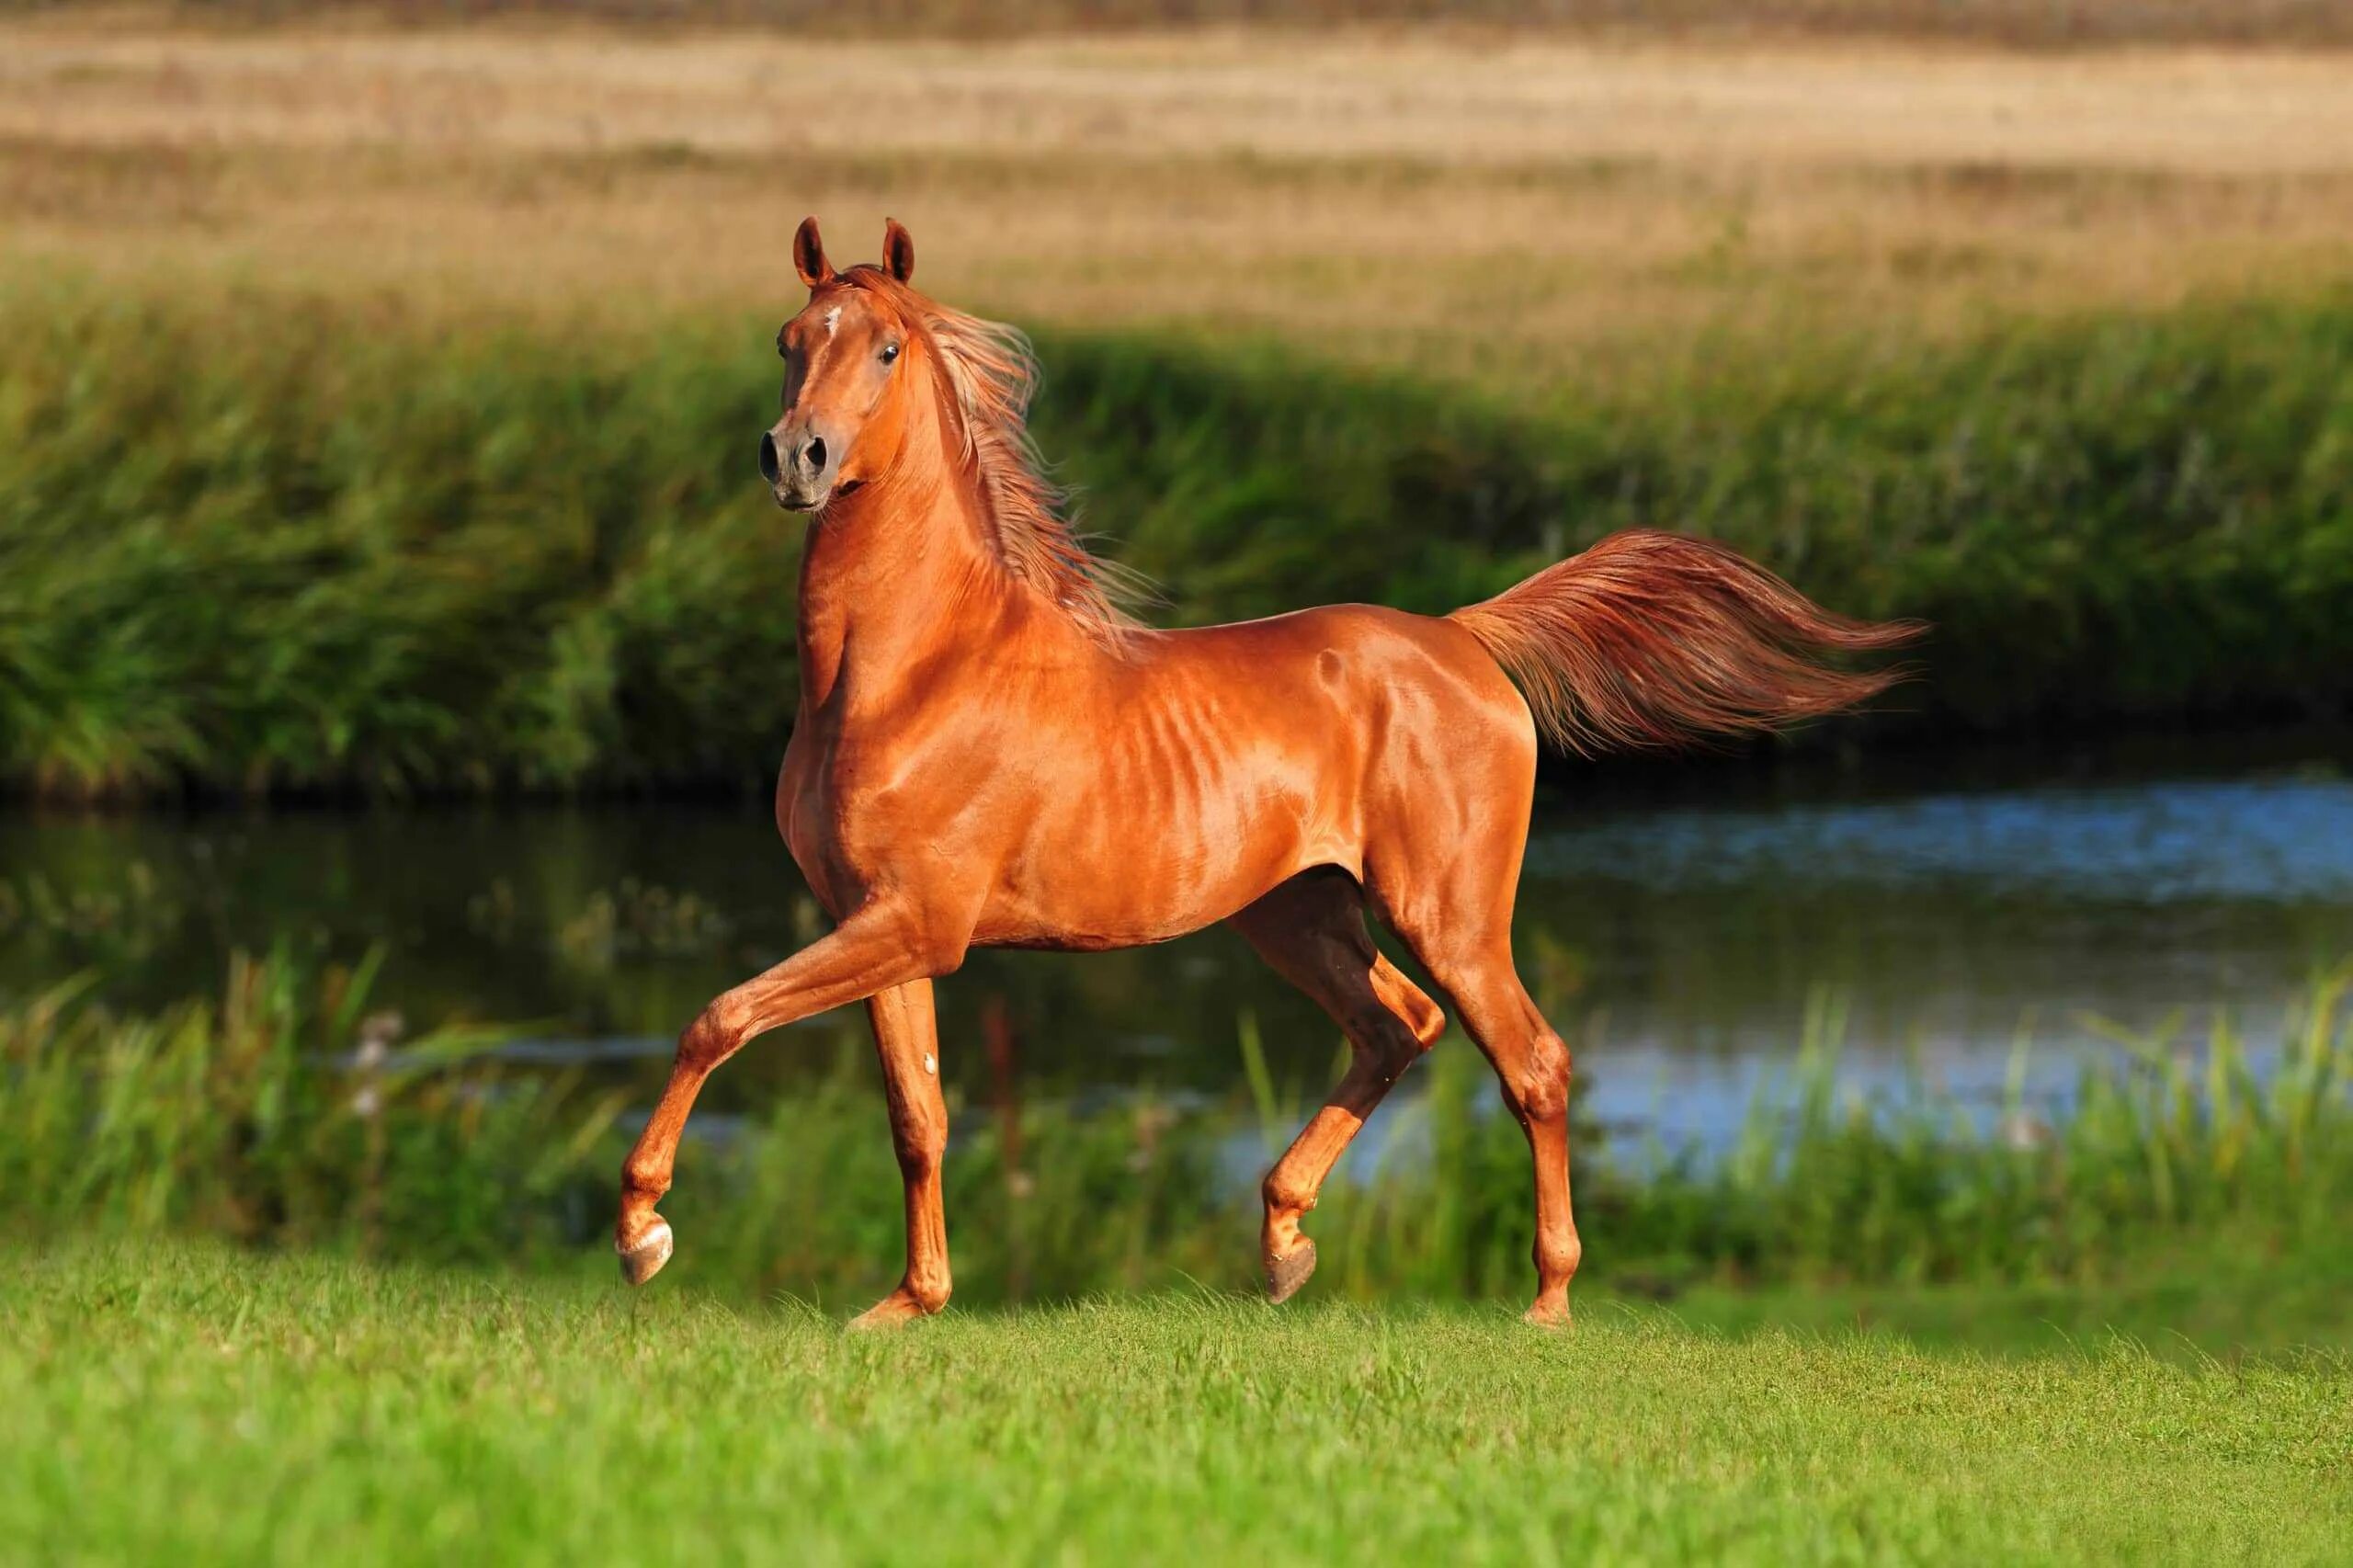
[{"x": 992, "y": 373}]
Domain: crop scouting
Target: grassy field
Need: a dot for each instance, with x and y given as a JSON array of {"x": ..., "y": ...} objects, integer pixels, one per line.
[
  {"x": 200, "y": 1406},
  {"x": 2028, "y": 23},
  {"x": 1887, "y": 1340},
  {"x": 432, "y": 356},
  {"x": 1513, "y": 210}
]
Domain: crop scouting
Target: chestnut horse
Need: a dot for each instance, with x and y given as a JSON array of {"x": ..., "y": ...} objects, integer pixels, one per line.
[{"x": 990, "y": 752}]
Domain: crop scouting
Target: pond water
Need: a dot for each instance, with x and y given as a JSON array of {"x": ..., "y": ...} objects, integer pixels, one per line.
[{"x": 1678, "y": 942}]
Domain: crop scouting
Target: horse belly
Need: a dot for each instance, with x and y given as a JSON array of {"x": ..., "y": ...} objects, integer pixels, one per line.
[{"x": 1098, "y": 871}]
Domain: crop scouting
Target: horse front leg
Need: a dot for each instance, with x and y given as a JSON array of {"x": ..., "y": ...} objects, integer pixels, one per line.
[
  {"x": 875, "y": 947},
  {"x": 906, "y": 1036}
]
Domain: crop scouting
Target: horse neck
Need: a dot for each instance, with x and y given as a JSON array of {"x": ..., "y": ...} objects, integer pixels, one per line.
[{"x": 897, "y": 570}]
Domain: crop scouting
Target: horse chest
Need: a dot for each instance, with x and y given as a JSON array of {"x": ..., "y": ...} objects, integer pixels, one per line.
[{"x": 842, "y": 813}]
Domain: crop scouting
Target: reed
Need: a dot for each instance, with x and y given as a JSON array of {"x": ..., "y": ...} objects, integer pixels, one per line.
[
  {"x": 284, "y": 1113},
  {"x": 254, "y": 542}
]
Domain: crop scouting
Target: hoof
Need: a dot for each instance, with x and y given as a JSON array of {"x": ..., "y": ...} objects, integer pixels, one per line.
[
  {"x": 1547, "y": 1313},
  {"x": 1286, "y": 1274},
  {"x": 893, "y": 1310},
  {"x": 643, "y": 1261}
]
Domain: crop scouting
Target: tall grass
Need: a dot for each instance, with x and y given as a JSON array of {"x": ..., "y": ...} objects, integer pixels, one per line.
[
  {"x": 249, "y": 542},
  {"x": 278, "y": 1115}
]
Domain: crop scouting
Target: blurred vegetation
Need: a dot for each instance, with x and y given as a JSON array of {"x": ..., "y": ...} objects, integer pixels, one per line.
[
  {"x": 286, "y": 1115},
  {"x": 2032, "y": 23},
  {"x": 253, "y": 541}
]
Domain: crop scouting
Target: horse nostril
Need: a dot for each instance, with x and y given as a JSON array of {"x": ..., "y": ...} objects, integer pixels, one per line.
[
  {"x": 814, "y": 455},
  {"x": 768, "y": 469}
]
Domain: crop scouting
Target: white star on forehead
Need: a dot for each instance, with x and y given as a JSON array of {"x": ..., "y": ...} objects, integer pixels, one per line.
[{"x": 833, "y": 320}]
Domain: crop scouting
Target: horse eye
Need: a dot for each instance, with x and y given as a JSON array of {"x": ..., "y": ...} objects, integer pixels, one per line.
[{"x": 890, "y": 352}]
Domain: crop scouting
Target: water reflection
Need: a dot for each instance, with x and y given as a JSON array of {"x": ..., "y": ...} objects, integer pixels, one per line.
[{"x": 1678, "y": 945}]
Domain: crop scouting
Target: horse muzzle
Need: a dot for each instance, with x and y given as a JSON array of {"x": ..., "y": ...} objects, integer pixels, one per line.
[{"x": 800, "y": 468}]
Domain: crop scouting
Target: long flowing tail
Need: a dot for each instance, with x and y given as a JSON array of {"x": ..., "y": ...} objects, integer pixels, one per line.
[{"x": 1653, "y": 639}]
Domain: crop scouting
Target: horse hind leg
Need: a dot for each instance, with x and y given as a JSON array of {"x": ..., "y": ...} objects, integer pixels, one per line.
[
  {"x": 1311, "y": 930},
  {"x": 1533, "y": 1067}
]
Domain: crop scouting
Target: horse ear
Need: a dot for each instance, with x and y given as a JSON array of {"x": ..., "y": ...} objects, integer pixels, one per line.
[
  {"x": 809, "y": 255},
  {"x": 898, "y": 249}
]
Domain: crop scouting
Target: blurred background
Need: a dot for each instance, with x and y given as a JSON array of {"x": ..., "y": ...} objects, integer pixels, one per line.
[{"x": 396, "y": 644}]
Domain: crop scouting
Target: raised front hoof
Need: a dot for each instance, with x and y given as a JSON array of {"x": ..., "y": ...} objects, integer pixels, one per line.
[
  {"x": 1550, "y": 1312},
  {"x": 643, "y": 1258},
  {"x": 899, "y": 1308},
  {"x": 1286, "y": 1274}
]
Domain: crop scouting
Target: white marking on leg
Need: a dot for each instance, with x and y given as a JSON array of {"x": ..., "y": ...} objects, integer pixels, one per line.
[{"x": 930, "y": 1063}]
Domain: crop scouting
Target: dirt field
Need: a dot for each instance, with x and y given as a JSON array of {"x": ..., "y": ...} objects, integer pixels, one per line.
[{"x": 1382, "y": 196}]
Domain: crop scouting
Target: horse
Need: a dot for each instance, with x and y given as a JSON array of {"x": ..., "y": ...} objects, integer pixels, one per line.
[{"x": 992, "y": 749}]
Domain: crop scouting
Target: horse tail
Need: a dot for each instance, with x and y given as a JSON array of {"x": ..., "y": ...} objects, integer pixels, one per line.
[{"x": 1652, "y": 639}]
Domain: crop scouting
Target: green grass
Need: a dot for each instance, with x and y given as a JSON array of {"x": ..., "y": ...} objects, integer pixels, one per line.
[
  {"x": 199, "y": 1405},
  {"x": 2216, "y": 1299},
  {"x": 256, "y": 542}
]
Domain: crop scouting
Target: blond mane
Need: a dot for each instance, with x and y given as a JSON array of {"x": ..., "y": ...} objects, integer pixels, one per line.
[{"x": 991, "y": 373}]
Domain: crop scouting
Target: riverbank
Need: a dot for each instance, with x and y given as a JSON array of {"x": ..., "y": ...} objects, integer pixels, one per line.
[
  {"x": 256, "y": 542},
  {"x": 378, "y": 400},
  {"x": 260, "y": 1118}
]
